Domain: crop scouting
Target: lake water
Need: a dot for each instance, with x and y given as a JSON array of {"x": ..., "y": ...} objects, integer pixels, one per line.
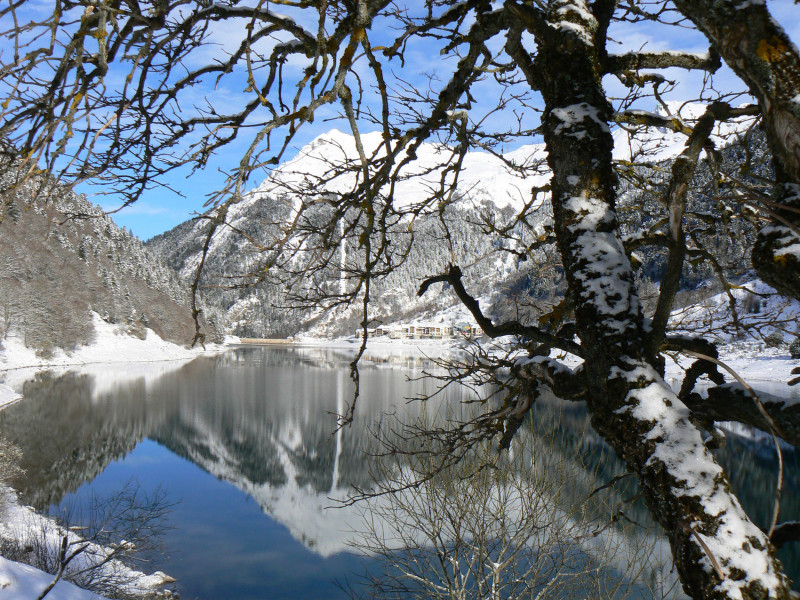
[{"x": 244, "y": 443}]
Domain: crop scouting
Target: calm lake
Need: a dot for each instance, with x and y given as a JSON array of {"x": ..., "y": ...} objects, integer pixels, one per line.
[{"x": 245, "y": 445}]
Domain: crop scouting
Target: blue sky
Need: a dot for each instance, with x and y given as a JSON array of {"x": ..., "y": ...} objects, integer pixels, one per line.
[{"x": 161, "y": 209}]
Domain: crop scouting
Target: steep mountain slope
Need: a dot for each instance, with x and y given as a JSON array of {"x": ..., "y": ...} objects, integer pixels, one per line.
[
  {"x": 490, "y": 194},
  {"x": 264, "y": 311},
  {"x": 62, "y": 257}
]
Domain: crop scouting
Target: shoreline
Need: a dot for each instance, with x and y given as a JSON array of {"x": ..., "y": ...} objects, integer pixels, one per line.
[
  {"x": 114, "y": 352},
  {"x": 111, "y": 349},
  {"x": 749, "y": 359}
]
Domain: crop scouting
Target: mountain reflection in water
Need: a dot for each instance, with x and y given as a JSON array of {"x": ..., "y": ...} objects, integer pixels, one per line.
[
  {"x": 263, "y": 419},
  {"x": 260, "y": 419}
]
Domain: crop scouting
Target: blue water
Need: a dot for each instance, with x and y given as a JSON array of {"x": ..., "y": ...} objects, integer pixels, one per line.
[
  {"x": 218, "y": 542},
  {"x": 263, "y": 420}
]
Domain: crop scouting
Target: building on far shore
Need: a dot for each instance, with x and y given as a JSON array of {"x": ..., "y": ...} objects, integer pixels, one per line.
[{"x": 424, "y": 330}]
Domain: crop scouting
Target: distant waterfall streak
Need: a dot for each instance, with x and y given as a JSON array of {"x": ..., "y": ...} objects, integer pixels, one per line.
[{"x": 342, "y": 259}]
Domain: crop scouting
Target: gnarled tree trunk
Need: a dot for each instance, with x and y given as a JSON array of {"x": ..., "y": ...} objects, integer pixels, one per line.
[{"x": 632, "y": 407}]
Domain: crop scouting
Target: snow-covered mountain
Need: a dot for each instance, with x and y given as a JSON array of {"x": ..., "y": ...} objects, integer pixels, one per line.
[
  {"x": 62, "y": 259},
  {"x": 491, "y": 188}
]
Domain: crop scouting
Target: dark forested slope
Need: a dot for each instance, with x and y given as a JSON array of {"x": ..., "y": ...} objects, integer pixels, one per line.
[{"x": 61, "y": 258}]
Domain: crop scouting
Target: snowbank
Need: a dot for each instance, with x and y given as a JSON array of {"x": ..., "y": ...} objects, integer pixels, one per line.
[
  {"x": 18, "y": 580},
  {"x": 22, "y": 581},
  {"x": 7, "y": 396},
  {"x": 111, "y": 345},
  {"x": 754, "y": 364},
  {"x": 114, "y": 356}
]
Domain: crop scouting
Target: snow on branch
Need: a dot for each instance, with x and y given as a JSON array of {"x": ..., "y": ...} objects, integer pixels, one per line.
[
  {"x": 732, "y": 402},
  {"x": 633, "y": 61}
]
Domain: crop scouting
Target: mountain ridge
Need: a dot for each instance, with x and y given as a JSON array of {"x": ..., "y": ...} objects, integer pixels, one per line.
[{"x": 491, "y": 189}]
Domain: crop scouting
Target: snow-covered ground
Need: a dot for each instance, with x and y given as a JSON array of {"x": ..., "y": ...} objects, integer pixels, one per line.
[
  {"x": 18, "y": 582},
  {"x": 746, "y": 353},
  {"x": 754, "y": 362},
  {"x": 759, "y": 310},
  {"x": 111, "y": 345},
  {"x": 21, "y": 582}
]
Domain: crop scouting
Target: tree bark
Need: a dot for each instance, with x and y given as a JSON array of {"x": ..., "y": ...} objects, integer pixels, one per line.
[
  {"x": 718, "y": 552},
  {"x": 731, "y": 402},
  {"x": 764, "y": 57}
]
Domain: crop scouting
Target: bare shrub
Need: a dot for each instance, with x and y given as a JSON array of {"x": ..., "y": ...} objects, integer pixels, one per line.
[
  {"x": 794, "y": 348},
  {"x": 774, "y": 340},
  {"x": 508, "y": 525}
]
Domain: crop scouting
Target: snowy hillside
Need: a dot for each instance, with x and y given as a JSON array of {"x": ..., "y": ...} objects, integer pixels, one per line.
[
  {"x": 759, "y": 311},
  {"x": 62, "y": 259}
]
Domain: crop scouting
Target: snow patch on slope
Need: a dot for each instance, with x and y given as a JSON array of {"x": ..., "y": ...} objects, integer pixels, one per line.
[
  {"x": 760, "y": 309},
  {"x": 7, "y": 396},
  {"x": 23, "y": 581}
]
